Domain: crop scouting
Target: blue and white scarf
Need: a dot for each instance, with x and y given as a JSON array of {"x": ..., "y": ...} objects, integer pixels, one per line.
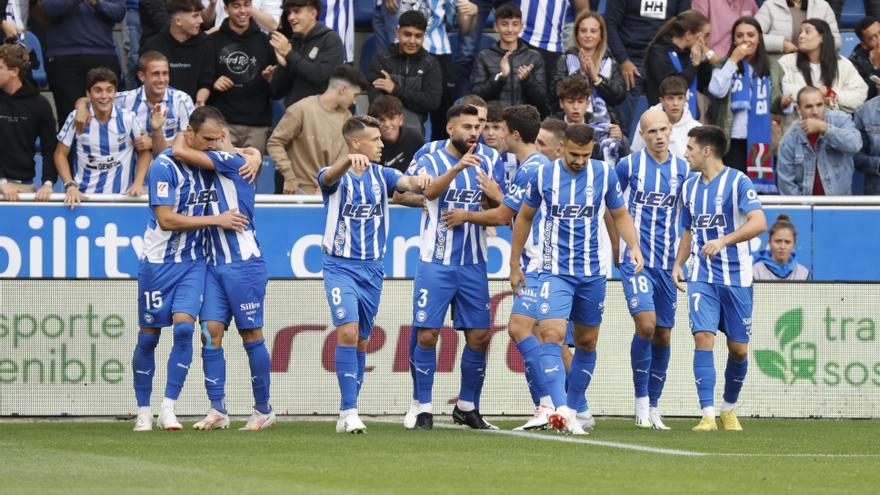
[
  {"x": 752, "y": 94},
  {"x": 692, "y": 88}
]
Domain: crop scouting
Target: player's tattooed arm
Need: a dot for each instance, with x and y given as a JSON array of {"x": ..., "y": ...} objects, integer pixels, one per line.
[
  {"x": 169, "y": 220},
  {"x": 413, "y": 200},
  {"x": 495, "y": 217},
  {"x": 521, "y": 229},
  {"x": 684, "y": 252},
  {"x": 756, "y": 224},
  {"x": 627, "y": 230},
  {"x": 442, "y": 182},
  {"x": 414, "y": 183}
]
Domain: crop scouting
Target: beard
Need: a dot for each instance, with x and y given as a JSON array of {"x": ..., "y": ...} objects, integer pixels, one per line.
[{"x": 460, "y": 145}]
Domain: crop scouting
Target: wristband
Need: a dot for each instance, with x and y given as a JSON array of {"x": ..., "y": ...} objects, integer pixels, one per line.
[{"x": 68, "y": 184}]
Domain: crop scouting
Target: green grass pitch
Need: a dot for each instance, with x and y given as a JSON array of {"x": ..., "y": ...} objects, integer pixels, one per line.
[{"x": 769, "y": 457}]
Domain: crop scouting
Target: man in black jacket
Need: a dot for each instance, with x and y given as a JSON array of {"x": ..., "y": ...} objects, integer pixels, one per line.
[
  {"x": 407, "y": 71},
  {"x": 243, "y": 59},
  {"x": 306, "y": 61},
  {"x": 510, "y": 71},
  {"x": 25, "y": 115},
  {"x": 189, "y": 51},
  {"x": 866, "y": 56}
]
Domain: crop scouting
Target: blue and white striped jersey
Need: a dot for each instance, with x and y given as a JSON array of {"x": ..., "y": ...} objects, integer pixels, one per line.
[
  {"x": 103, "y": 159},
  {"x": 466, "y": 243},
  {"x": 338, "y": 15},
  {"x": 712, "y": 211},
  {"x": 436, "y": 11},
  {"x": 519, "y": 189},
  {"x": 573, "y": 208},
  {"x": 178, "y": 104},
  {"x": 188, "y": 190},
  {"x": 356, "y": 209},
  {"x": 228, "y": 246},
  {"x": 489, "y": 154},
  {"x": 542, "y": 23},
  {"x": 653, "y": 196}
]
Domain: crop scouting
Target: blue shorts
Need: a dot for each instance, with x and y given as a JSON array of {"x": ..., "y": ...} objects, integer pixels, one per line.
[
  {"x": 168, "y": 288},
  {"x": 721, "y": 307},
  {"x": 650, "y": 290},
  {"x": 580, "y": 299},
  {"x": 353, "y": 289},
  {"x": 236, "y": 291},
  {"x": 465, "y": 287},
  {"x": 527, "y": 303}
]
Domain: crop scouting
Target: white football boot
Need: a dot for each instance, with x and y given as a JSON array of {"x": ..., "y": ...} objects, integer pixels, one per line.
[
  {"x": 259, "y": 421},
  {"x": 214, "y": 420},
  {"x": 539, "y": 420}
]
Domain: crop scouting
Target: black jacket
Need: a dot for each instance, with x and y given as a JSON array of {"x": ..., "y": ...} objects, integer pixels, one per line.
[
  {"x": 398, "y": 155},
  {"x": 861, "y": 59},
  {"x": 191, "y": 62},
  {"x": 154, "y": 18},
  {"x": 658, "y": 66},
  {"x": 242, "y": 58},
  {"x": 510, "y": 90},
  {"x": 631, "y": 29},
  {"x": 612, "y": 89},
  {"x": 25, "y": 116},
  {"x": 418, "y": 81},
  {"x": 309, "y": 65}
]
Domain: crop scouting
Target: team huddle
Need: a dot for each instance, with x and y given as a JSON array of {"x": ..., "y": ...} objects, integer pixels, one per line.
[{"x": 681, "y": 219}]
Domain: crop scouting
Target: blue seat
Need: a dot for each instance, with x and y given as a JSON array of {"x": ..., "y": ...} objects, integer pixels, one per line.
[
  {"x": 849, "y": 42},
  {"x": 277, "y": 111},
  {"x": 33, "y": 43},
  {"x": 369, "y": 48},
  {"x": 852, "y": 12},
  {"x": 363, "y": 14}
]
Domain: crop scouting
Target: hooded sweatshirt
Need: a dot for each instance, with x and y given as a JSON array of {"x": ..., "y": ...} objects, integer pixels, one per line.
[
  {"x": 25, "y": 116},
  {"x": 191, "y": 62},
  {"x": 309, "y": 65},
  {"x": 242, "y": 58},
  {"x": 679, "y": 138}
]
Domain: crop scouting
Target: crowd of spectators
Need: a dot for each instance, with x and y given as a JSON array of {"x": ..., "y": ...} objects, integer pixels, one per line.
[{"x": 801, "y": 119}]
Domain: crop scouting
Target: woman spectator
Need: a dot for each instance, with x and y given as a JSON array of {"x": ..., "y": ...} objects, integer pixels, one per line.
[
  {"x": 749, "y": 87},
  {"x": 778, "y": 262},
  {"x": 818, "y": 64},
  {"x": 722, "y": 14},
  {"x": 589, "y": 58},
  {"x": 781, "y": 20},
  {"x": 679, "y": 48}
]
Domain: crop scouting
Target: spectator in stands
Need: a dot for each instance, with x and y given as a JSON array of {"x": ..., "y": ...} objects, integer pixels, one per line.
[
  {"x": 309, "y": 135},
  {"x": 408, "y": 72},
  {"x": 866, "y": 55},
  {"x": 401, "y": 141},
  {"x": 781, "y": 21},
  {"x": 632, "y": 25},
  {"x": 722, "y": 14},
  {"x": 510, "y": 71},
  {"x": 749, "y": 87},
  {"x": 131, "y": 39},
  {"x": 589, "y": 58},
  {"x": 13, "y": 19},
  {"x": 680, "y": 48},
  {"x": 308, "y": 58},
  {"x": 818, "y": 64},
  {"x": 243, "y": 59},
  {"x": 816, "y": 154},
  {"x": 778, "y": 260},
  {"x": 160, "y": 109},
  {"x": 872, "y": 8},
  {"x": 25, "y": 116},
  {"x": 154, "y": 18},
  {"x": 189, "y": 51},
  {"x": 112, "y": 167},
  {"x": 266, "y": 13},
  {"x": 574, "y": 99},
  {"x": 494, "y": 131},
  {"x": 673, "y": 102},
  {"x": 79, "y": 38},
  {"x": 469, "y": 46},
  {"x": 550, "y": 137},
  {"x": 867, "y": 161}
]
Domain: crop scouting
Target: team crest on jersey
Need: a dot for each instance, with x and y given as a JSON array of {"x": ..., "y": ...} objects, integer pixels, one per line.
[
  {"x": 421, "y": 316},
  {"x": 719, "y": 200},
  {"x": 634, "y": 302},
  {"x": 377, "y": 190},
  {"x": 362, "y": 211},
  {"x": 654, "y": 199},
  {"x": 544, "y": 308},
  {"x": 340, "y": 313},
  {"x": 710, "y": 221},
  {"x": 673, "y": 183},
  {"x": 572, "y": 212},
  {"x": 148, "y": 318}
]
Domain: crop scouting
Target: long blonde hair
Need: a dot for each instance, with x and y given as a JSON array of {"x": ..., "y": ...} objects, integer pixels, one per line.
[{"x": 602, "y": 47}]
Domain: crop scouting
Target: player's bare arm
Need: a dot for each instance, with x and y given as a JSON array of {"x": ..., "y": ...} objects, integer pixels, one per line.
[
  {"x": 614, "y": 235},
  {"x": 441, "y": 183},
  {"x": 72, "y": 194},
  {"x": 414, "y": 183},
  {"x": 181, "y": 150},
  {"x": 495, "y": 217},
  {"x": 491, "y": 190},
  {"x": 627, "y": 230},
  {"x": 756, "y": 224},
  {"x": 521, "y": 229},
  {"x": 684, "y": 252},
  {"x": 341, "y": 167},
  {"x": 169, "y": 220},
  {"x": 140, "y": 173}
]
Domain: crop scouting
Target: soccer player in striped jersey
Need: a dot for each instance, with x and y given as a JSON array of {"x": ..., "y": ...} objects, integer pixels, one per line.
[
  {"x": 523, "y": 123},
  {"x": 651, "y": 181},
  {"x": 171, "y": 275},
  {"x": 104, "y": 160},
  {"x": 356, "y": 191},
  {"x": 235, "y": 287},
  {"x": 338, "y": 15},
  {"x": 572, "y": 194},
  {"x": 721, "y": 213},
  {"x": 452, "y": 271}
]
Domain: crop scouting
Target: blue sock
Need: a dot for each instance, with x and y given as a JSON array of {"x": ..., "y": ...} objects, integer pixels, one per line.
[
  {"x": 413, "y": 340},
  {"x": 530, "y": 350},
  {"x": 346, "y": 375},
  {"x": 704, "y": 376},
  {"x": 582, "y": 406},
  {"x": 180, "y": 359},
  {"x": 640, "y": 360},
  {"x": 214, "y": 365},
  {"x": 473, "y": 367},
  {"x": 734, "y": 376},
  {"x": 659, "y": 365},
  {"x": 261, "y": 365},
  {"x": 362, "y": 369},
  {"x": 553, "y": 370},
  {"x": 583, "y": 364},
  {"x": 425, "y": 363},
  {"x": 143, "y": 365}
]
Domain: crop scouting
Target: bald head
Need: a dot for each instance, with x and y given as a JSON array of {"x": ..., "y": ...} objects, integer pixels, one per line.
[
  {"x": 655, "y": 129},
  {"x": 652, "y": 117}
]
